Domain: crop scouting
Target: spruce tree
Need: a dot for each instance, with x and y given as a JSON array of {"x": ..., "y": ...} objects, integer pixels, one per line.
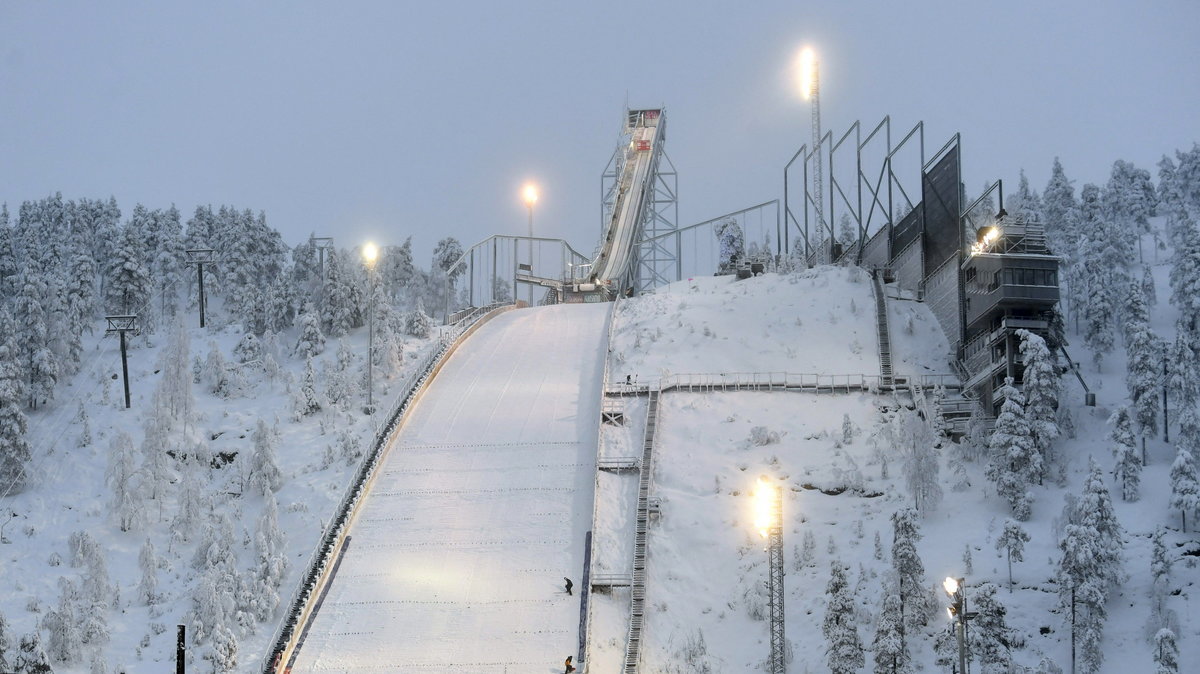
[
  {"x": 1042, "y": 388},
  {"x": 1160, "y": 574},
  {"x": 306, "y": 401},
  {"x": 148, "y": 563},
  {"x": 128, "y": 286},
  {"x": 991, "y": 638},
  {"x": 1183, "y": 373},
  {"x": 1185, "y": 481},
  {"x": 1012, "y": 541},
  {"x": 1166, "y": 652},
  {"x": 311, "y": 341},
  {"x": 891, "y": 653},
  {"x": 1128, "y": 466},
  {"x": 31, "y": 658},
  {"x": 844, "y": 652},
  {"x": 265, "y": 476},
  {"x": 1014, "y": 461},
  {"x": 14, "y": 446},
  {"x": 910, "y": 570}
]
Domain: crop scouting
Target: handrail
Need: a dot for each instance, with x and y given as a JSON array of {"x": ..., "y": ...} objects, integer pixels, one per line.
[
  {"x": 783, "y": 381},
  {"x": 331, "y": 541}
]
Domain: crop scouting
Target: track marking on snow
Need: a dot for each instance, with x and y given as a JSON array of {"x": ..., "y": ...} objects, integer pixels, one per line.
[
  {"x": 459, "y": 492},
  {"x": 457, "y": 546},
  {"x": 482, "y": 469},
  {"x": 486, "y": 445}
]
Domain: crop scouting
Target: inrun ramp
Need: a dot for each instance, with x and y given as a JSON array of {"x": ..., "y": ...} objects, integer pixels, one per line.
[{"x": 456, "y": 561}]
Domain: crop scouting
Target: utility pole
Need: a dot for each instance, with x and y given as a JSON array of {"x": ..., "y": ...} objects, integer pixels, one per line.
[
  {"x": 180, "y": 649},
  {"x": 200, "y": 257},
  {"x": 121, "y": 325}
]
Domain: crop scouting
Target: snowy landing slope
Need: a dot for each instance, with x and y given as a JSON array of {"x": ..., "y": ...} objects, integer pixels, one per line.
[{"x": 457, "y": 559}]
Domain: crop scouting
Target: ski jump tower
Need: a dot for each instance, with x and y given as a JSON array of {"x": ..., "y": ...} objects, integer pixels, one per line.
[{"x": 638, "y": 208}]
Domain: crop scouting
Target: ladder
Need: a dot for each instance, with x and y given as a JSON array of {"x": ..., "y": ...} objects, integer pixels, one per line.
[
  {"x": 638, "y": 585},
  {"x": 881, "y": 322}
]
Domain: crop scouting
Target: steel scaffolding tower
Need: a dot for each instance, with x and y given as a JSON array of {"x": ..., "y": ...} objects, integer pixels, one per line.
[{"x": 778, "y": 664}]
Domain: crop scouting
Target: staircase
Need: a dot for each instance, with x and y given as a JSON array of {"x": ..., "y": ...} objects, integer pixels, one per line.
[
  {"x": 638, "y": 587},
  {"x": 881, "y": 322}
]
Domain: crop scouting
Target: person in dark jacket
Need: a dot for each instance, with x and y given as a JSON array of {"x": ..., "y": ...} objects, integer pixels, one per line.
[
  {"x": 570, "y": 667},
  {"x": 569, "y": 584}
]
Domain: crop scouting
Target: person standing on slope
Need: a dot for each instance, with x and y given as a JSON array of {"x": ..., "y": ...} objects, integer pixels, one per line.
[
  {"x": 569, "y": 584},
  {"x": 570, "y": 667}
]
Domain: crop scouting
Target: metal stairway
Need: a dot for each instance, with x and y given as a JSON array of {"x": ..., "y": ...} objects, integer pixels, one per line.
[
  {"x": 881, "y": 322},
  {"x": 637, "y": 601}
]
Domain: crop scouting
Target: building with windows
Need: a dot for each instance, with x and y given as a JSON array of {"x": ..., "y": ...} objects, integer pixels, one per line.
[{"x": 1010, "y": 283}]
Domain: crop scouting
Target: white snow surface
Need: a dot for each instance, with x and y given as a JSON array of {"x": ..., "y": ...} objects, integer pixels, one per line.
[
  {"x": 457, "y": 558},
  {"x": 712, "y": 324},
  {"x": 706, "y": 570}
]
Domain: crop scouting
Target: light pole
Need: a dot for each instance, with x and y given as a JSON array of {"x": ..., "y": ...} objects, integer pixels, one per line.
[
  {"x": 956, "y": 589},
  {"x": 530, "y": 194},
  {"x": 370, "y": 254},
  {"x": 768, "y": 520},
  {"x": 810, "y": 88}
]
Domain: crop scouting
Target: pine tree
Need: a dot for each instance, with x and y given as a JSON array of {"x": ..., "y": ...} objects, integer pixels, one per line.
[
  {"x": 1185, "y": 269},
  {"x": 126, "y": 505},
  {"x": 1183, "y": 373},
  {"x": 991, "y": 638},
  {"x": 417, "y": 322},
  {"x": 1042, "y": 387},
  {"x": 1160, "y": 573},
  {"x": 732, "y": 245},
  {"x": 1185, "y": 482},
  {"x": 891, "y": 653},
  {"x": 1144, "y": 371},
  {"x": 6, "y": 654},
  {"x": 1166, "y": 652},
  {"x": 1058, "y": 205},
  {"x": 64, "y": 642},
  {"x": 14, "y": 446},
  {"x": 265, "y": 475},
  {"x": 844, "y": 654},
  {"x": 33, "y": 340},
  {"x": 248, "y": 349},
  {"x": 1025, "y": 205},
  {"x": 128, "y": 285},
  {"x": 1128, "y": 467},
  {"x": 337, "y": 308},
  {"x": 225, "y": 650},
  {"x": 1012, "y": 540},
  {"x": 30, "y": 657},
  {"x": 148, "y": 563},
  {"x": 1101, "y": 273},
  {"x": 1014, "y": 461},
  {"x": 1148, "y": 289},
  {"x": 311, "y": 341},
  {"x": 306, "y": 401},
  {"x": 910, "y": 570}
]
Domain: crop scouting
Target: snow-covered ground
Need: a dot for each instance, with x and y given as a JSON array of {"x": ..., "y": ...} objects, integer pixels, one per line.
[
  {"x": 707, "y": 568},
  {"x": 456, "y": 561},
  {"x": 68, "y": 492},
  {"x": 809, "y": 322}
]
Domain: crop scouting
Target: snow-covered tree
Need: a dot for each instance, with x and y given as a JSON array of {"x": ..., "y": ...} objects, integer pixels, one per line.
[
  {"x": 128, "y": 285},
  {"x": 14, "y": 446},
  {"x": 31, "y": 658},
  {"x": 216, "y": 374},
  {"x": 396, "y": 269},
  {"x": 1042, "y": 387},
  {"x": 1185, "y": 481},
  {"x": 910, "y": 570},
  {"x": 305, "y": 400},
  {"x": 1090, "y": 565},
  {"x": 33, "y": 340},
  {"x": 445, "y": 253},
  {"x": 64, "y": 643},
  {"x": 191, "y": 499},
  {"x": 1012, "y": 541},
  {"x": 891, "y": 652},
  {"x": 1025, "y": 205},
  {"x": 311, "y": 341},
  {"x": 1144, "y": 371},
  {"x": 271, "y": 553},
  {"x": 1013, "y": 461},
  {"x": 1166, "y": 652},
  {"x": 1128, "y": 466},
  {"x": 416, "y": 322},
  {"x": 1160, "y": 574},
  {"x": 732, "y": 244},
  {"x": 265, "y": 477},
  {"x": 340, "y": 385},
  {"x": 225, "y": 650},
  {"x": 127, "y": 507},
  {"x": 844, "y": 652},
  {"x": 1148, "y": 289},
  {"x": 6, "y": 653},
  {"x": 991, "y": 638},
  {"x": 174, "y": 390},
  {"x": 1183, "y": 370},
  {"x": 913, "y": 437},
  {"x": 338, "y": 306},
  {"x": 1058, "y": 207},
  {"x": 148, "y": 563},
  {"x": 248, "y": 349}
]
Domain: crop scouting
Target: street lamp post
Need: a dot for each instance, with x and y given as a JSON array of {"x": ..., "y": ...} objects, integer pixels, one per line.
[
  {"x": 530, "y": 195},
  {"x": 370, "y": 254},
  {"x": 956, "y": 589},
  {"x": 768, "y": 520}
]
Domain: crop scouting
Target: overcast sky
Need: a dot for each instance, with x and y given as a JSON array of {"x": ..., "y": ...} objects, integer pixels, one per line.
[{"x": 392, "y": 119}]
